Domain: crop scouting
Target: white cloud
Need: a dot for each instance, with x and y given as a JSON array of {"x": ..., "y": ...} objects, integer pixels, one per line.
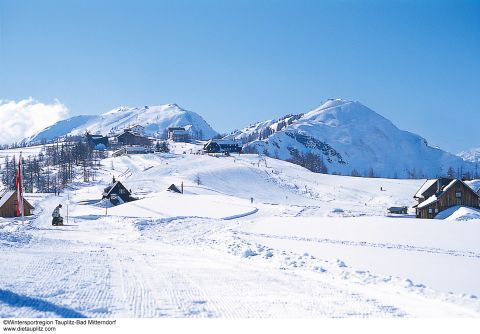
[{"x": 20, "y": 119}]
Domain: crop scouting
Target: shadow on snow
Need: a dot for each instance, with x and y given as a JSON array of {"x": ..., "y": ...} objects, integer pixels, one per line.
[{"x": 17, "y": 300}]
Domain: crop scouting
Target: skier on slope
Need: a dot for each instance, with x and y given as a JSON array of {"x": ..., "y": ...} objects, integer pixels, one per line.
[{"x": 57, "y": 219}]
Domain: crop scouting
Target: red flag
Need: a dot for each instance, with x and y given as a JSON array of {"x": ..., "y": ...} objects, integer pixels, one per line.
[{"x": 18, "y": 183}]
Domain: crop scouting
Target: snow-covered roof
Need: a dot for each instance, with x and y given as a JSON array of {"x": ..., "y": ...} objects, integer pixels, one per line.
[
  {"x": 474, "y": 184},
  {"x": 448, "y": 186},
  {"x": 430, "y": 200},
  {"x": 174, "y": 128},
  {"x": 6, "y": 194},
  {"x": 180, "y": 132},
  {"x": 468, "y": 185},
  {"x": 96, "y": 136},
  {"x": 135, "y": 149},
  {"x": 110, "y": 188},
  {"x": 224, "y": 141},
  {"x": 434, "y": 198},
  {"x": 130, "y": 131},
  {"x": 425, "y": 187}
]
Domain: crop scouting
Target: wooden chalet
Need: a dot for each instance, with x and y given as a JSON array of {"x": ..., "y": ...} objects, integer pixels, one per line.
[
  {"x": 138, "y": 129},
  {"x": 95, "y": 140},
  {"x": 8, "y": 204},
  {"x": 222, "y": 146},
  {"x": 439, "y": 194},
  {"x": 178, "y": 134},
  {"x": 117, "y": 193},
  {"x": 129, "y": 137}
]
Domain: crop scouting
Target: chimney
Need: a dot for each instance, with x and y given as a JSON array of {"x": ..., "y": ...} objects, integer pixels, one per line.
[{"x": 439, "y": 185}]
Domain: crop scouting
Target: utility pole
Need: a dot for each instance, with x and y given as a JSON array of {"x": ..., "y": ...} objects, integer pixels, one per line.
[
  {"x": 477, "y": 156},
  {"x": 68, "y": 202}
]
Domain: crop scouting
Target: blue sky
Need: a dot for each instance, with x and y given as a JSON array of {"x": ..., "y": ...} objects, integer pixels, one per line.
[{"x": 236, "y": 62}]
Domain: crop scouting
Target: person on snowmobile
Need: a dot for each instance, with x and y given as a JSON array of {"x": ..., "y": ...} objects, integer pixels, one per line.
[{"x": 57, "y": 219}]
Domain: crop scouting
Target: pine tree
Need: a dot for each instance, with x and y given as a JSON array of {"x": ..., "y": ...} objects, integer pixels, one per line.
[{"x": 451, "y": 173}]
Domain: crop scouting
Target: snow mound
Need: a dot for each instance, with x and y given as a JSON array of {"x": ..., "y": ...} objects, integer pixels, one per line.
[
  {"x": 167, "y": 204},
  {"x": 11, "y": 234},
  {"x": 459, "y": 213}
]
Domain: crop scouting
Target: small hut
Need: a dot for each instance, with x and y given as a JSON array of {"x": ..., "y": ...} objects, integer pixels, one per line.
[
  {"x": 178, "y": 134},
  {"x": 96, "y": 141},
  {"x": 8, "y": 204},
  {"x": 174, "y": 189},
  {"x": 117, "y": 193}
]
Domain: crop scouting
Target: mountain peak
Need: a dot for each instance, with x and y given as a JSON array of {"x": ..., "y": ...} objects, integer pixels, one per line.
[
  {"x": 332, "y": 103},
  {"x": 351, "y": 139},
  {"x": 334, "y": 112},
  {"x": 155, "y": 119},
  {"x": 174, "y": 105}
]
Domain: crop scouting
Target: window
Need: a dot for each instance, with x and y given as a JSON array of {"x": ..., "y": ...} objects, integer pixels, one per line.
[
  {"x": 436, "y": 210},
  {"x": 430, "y": 210},
  {"x": 458, "y": 194},
  {"x": 121, "y": 191}
]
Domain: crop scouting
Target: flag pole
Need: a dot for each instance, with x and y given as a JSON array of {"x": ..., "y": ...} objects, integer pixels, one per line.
[{"x": 21, "y": 186}]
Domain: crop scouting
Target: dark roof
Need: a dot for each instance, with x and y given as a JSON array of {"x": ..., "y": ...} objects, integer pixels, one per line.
[
  {"x": 107, "y": 191},
  {"x": 130, "y": 133},
  {"x": 94, "y": 136},
  {"x": 174, "y": 188}
]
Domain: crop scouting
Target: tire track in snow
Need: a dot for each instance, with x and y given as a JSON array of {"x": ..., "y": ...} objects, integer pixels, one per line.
[{"x": 261, "y": 291}]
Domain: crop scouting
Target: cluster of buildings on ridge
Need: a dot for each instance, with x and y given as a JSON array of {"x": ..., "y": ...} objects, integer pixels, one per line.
[{"x": 133, "y": 140}]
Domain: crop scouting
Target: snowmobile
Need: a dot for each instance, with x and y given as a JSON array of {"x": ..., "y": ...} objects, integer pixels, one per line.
[{"x": 57, "y": 221}]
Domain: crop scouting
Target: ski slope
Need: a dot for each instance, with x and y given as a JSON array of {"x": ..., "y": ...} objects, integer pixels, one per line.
[{"x": 250, "y": 237}]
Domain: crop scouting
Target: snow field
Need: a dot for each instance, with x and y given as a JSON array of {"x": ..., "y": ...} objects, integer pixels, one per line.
[{"x": 309, "y": 245}]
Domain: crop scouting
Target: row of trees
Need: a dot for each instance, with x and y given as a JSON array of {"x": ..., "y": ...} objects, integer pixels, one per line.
[
  {"x": 453, "y": 173},
  {"x": 316, "y": 163},
  {"x": 57, "y": 165},
  {"x": 310, "y": 161},
  {"x": 53, "y": 168}
]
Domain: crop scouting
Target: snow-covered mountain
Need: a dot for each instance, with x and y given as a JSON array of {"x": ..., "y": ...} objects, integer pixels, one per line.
[
  {"x": 155, "y": 119},
  {"x": 472, "y": 155},
  {"x": 352, "y": 140}
]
